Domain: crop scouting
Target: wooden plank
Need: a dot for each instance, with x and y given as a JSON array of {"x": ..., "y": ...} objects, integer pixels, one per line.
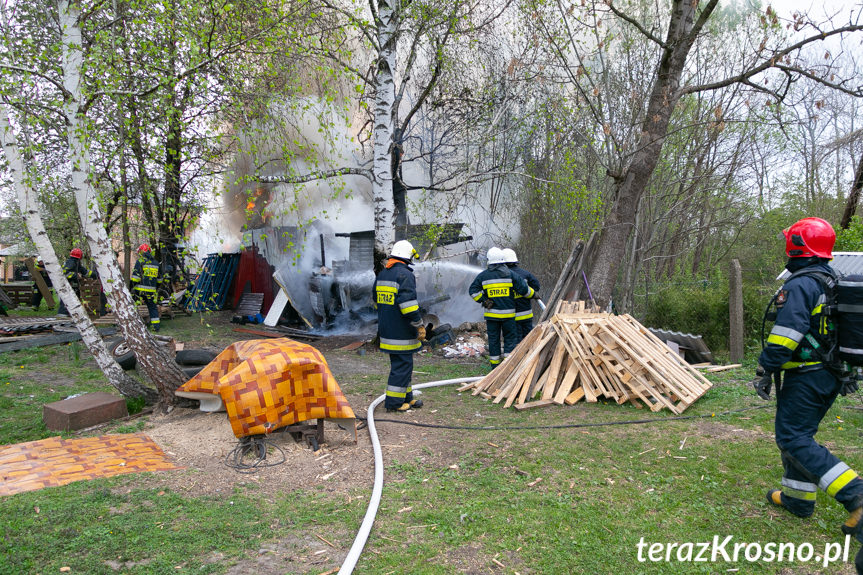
[
  {"x": 40, "y": 341},
  {"x": 633, "y": 324},
  {"x": 276, "y": 308},
  {"x": 562, "y": 280},
  {"x": 353, "y": 345},
  {"x": 724, "y": 367},
  {"x": 499, "y": 375},
  {"x": 570, "y": 374},
  {"x": 40, "y": 282},
  {"x": 574, "y": 397},
  {"x": 522, "y": 366},
  {"x": 557, "y": 361},
  {"x": 535, "y": 404}
]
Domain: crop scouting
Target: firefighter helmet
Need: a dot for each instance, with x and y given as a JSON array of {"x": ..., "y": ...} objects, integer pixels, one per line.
[
  {"x": 76, "y": 253},
  {"x": 143, "y": 248},
  {"x": 495, "y": 256},
  {"x": 404, "y": 250},
  {"x": 810, "y": 237},
  {"x": 509, "y": 256}
]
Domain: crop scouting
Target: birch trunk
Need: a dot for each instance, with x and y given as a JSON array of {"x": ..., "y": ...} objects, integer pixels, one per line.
[
  {"x": 33, "y": 219},
  {"x": 154, "y": 360},
  {"x": 384, "y": 120}
]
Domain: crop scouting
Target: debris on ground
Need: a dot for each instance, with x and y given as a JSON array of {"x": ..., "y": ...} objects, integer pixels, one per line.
[{"x": 468, "y": 345}]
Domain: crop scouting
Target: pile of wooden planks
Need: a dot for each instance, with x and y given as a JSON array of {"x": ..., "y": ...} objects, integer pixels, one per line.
[{"x": 586, "y": 355}]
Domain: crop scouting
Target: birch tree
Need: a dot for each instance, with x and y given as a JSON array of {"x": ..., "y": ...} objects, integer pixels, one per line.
[
  {"x": 407, "y": 42},
  {"x": 153, "y": 358},
  {"x": 30, "y": 209}
]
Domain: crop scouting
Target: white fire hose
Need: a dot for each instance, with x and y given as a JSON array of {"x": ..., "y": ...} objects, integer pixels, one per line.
[{"x": 365, "y": 528}]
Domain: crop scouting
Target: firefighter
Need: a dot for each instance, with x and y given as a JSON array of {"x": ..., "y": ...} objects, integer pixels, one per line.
[
  {"x": 400, "y": 327},
  {"x": 523, "y": 306},
  {"x": 495, "y": 288},
  {"x": 36, "y": 299},
  {"x": 74, "y": 270},
  {"x": 145, "y": 280},
  {"x": 794, "y": 348}
]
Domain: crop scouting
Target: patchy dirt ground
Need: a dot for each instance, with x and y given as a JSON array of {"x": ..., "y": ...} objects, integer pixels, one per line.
[{"x": 203, "y": 443}]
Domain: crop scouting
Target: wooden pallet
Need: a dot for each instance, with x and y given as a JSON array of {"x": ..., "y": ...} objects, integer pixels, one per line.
[{"x": 580, "y": 354}]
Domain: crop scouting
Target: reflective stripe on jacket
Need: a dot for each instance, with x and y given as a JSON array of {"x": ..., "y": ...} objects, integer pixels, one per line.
[
  {"x": 500, "y": 285},
  {"x": 792, "y": 341},
  {"x": 145, "y": 276},
  {"x": 523, "y": 306},
  {"x": 395, "y": 294}
]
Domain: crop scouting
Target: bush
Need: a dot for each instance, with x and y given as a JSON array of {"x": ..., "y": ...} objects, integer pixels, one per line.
[{"x": 700, "y": 307}]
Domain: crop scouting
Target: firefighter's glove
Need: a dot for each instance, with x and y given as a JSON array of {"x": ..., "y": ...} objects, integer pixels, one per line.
[
  {"x": 849, "y": 385},
  {"x": 421, "y": 333},
  {"x": 488, "y": 304},
  {"x": 763, "y": 385}
]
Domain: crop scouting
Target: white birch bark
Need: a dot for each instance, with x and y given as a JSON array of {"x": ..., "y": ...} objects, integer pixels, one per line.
[
  {"x": 153, "y": 359},
  {"x": 385, "y": 95},
  {"x": 33, "y": 219}
]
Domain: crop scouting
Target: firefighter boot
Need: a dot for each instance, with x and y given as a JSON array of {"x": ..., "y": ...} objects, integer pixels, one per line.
[
  {"x": 858, "y": 562},
  {"x": 400, "y": 409},
  {"x": 774, "y": 497},
  {"x": 416, "y": 403}
]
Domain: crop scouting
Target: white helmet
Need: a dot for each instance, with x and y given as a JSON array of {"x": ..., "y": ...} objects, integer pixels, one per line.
[
  {"x": 509, "y": 256},
  {"x": 403, "y": 249},
  {"x": 495, "y": 256}
]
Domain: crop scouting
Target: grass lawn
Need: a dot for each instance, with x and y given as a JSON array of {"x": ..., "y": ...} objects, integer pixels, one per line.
[{"x": 506, "y": 500}]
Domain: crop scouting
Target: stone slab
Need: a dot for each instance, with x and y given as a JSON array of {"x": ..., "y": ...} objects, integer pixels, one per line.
[{"x": 83, "y": 411}]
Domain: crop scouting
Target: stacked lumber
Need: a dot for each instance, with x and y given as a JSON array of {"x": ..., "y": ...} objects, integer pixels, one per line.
[{"x": 588, "y": 355}]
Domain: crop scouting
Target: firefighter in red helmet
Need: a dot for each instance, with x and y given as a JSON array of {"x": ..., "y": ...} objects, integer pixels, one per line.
[
  {"x": 145, "y": 279},
  {"x": 799, "y": 350},
  {"x": 74, "y": 270}
]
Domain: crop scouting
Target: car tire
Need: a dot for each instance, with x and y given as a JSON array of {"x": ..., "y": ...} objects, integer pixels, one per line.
[
  {"x": 191, "y": 372},
  {"x": 195, "y": 357},
  {"x": 121, "y": 353}
]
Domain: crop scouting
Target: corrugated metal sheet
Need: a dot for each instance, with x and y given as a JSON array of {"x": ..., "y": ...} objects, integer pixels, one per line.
[
  {"x": 848, "y": 263},
  {"x": 693, "y": 345}
]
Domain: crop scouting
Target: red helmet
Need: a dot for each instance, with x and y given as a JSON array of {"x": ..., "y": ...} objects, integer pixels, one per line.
[
  {"x": 76, "y": 253},
  {"x": 143, "y": 248},
  {"x": 810, "y": 237}
]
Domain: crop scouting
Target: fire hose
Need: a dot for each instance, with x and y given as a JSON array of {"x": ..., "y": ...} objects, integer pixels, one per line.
[{"x": 365, "y": 528}]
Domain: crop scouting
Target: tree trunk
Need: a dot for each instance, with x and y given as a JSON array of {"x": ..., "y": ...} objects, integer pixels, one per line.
[
  {"x": 853, "y": 196},
  {"x": 632, "y": 183},
  {"x": 36, "y": 228},
  {"x": 384, "y": 122},
  {"x": 160, "y": 368}
]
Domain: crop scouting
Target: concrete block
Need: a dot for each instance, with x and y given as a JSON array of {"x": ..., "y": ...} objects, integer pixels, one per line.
[{"x": 83, "y": 411}]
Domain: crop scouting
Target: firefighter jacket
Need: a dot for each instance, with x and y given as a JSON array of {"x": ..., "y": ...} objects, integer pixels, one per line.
[
  {"x": 395, "y": 293},
  {"x": 802, "y": 324},
  {"x": 499, "y": 285},
  {"x": 74, "y": 269},
  {"x": 523, "y": 308},
  {"x": 145, "y": 276}
]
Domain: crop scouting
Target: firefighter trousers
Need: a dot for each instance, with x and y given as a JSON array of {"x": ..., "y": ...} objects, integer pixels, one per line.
[
  {"x": 509, "y": 332},
  {"x": 524, "y": 327},
  {"x": 802, "y": 402},
  {"x": 399, "y": 388}
]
